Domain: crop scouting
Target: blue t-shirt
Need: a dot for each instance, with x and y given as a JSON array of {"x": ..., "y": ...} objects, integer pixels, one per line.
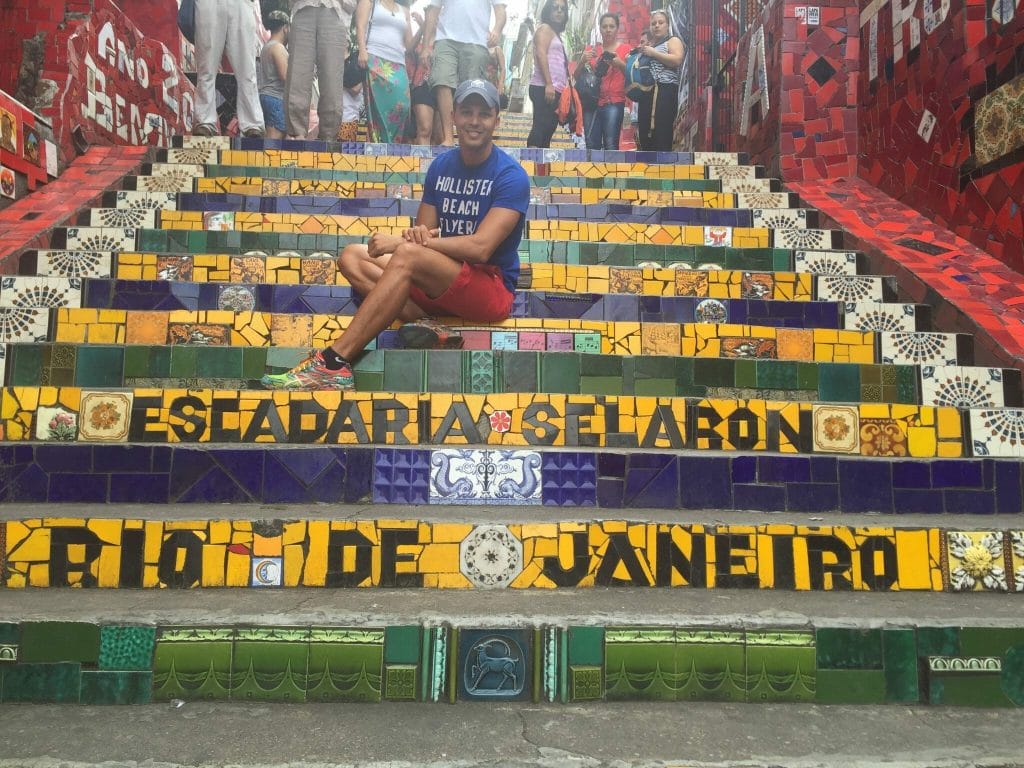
[{"x": 464, "y": 194}]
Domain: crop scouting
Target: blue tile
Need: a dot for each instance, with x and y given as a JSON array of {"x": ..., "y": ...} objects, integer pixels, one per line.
[
  {"x": 611, "y": 465},
  {"x": 652, "y": 481},
  {"x": 784, "y": 469},
  {"x": 24, "y": 483},
  {"x": 329, "y": 486},
  {"x": 306, "y": 464},
  {"x": 569, "y": 479},
  {"x": 401, "y": 476},
  {"x": 138, "y": 488},
  {"x": 59, "y": 458},
  {"x": 358, "y": 473},
  {"x": 865, "y": 485},
  {"x": 964, "y": 502},
  {"x": 812, "y": 497},
  {"x": 68, "y": 487},
  {"x": 245, "y": 467},
  {"x": 744, "y": 469},
  {"x": 122, "y": 458},
  {"x": 911, "y": 474},
  {"x": 763, "y": 498},
  {"x": 610, "y": 492},
  {"x": 705, "y": 482},
  {"x": 1009, "y": 496},
  {"x": 956, "y": 473},
  {"x": 824, "y": 469},
  {"x": 917, "y": 501}
]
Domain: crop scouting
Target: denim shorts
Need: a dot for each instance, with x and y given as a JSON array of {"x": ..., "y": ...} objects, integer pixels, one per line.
[{"x": 273, "y": 111}]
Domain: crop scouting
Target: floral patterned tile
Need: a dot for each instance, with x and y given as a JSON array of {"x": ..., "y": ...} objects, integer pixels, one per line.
[
  {"x": 998, "y": 433},
  {"x": 732, "y": 172},
  {"x": 746, "y": 186},
  {"x": 491, "y": 556},
  {"x": 836, "y": 263},
  {"x": 780, "y": 218},
  {"x": 74, "y": 263},
  {"x": 836, "y": 429},
  {"x": 104, "y": 416},
  {"x": 56, "y": 424},
  {"x": 206, "y": 142},
  {"x": 802, "y": 238},
  {"x": 919, "y": 348},
  {"x": 860, "y": 288},
  {"x": 1017, "y": 558},
  {"x": 962, "y": 386},
  {"x": 24, "y": 324},
  {"x": 100, "y": 239},
  {"x": 49, "y": 292},
  {"x": 763, "y": 200},
  {"x": 465, "y": 476},
  {"x": 715, "y": 158},
  {"x": 976, "y": 561},
  {"x": 193, "y": 155},
  {"x": 161, "y": 201}
]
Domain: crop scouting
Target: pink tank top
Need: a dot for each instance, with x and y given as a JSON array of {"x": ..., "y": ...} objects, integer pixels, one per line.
[{"x": 556, "y": 66}]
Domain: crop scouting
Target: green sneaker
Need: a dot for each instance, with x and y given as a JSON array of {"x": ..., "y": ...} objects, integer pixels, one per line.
[{"x": 312, "y": 373}]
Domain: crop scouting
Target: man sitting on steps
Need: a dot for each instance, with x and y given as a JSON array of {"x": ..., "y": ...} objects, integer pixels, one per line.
[{"x": 461, "y": 258}]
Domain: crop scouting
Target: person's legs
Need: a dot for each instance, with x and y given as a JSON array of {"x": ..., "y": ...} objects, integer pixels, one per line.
[
  {"x": 610, "y": 117},
  {"x": 273, "y": 116},
  {"x": 444, "y": 77},
  {"x": 331, "y": 50},
  {"x": 298, "y": 89},
  {"x": 211, "y": 37},
  {"x": 592, "y": 128},
  {"x": 664, "y": 119},
  {"x": 644, "y": 107},
  {"x": 241, "y": 51},
  {"x": 423, "y": 112},
  {"x": 544, "y": 119}
]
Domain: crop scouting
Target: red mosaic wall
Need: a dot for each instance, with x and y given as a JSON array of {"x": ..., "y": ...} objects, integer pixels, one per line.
[
  {"x": 942, "y": 116},
  {"x": 99, "y": 75}
]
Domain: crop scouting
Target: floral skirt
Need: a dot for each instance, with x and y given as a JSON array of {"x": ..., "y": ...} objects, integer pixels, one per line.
[{"x": 388, "y": 100}]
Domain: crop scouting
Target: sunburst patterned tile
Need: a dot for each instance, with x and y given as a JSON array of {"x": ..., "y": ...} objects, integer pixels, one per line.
[
  {"x": 997, "y": 433},
  {"x": 876, "y": 316},
  {"x": 976, "y": 561},
  {"x": 802, "y": 238},
  {"x": 49, "y": 292},
  {"x": 23, "y": 324},
  {"x": 825, "y": 262},
  {"x": 206, "y": 142},
  {"x": 962, "y": 386},
  {"x": 733, "y": 172},
  {"x": 193, "y": 155},
  {"x": 849, "y": 289},
  {"x": 74, "y": 263},
  {"x": 715, "y": 158},
  {"x": 919, "y": 348},
  {"x": 746, "y": 186},
  {"x": 139, "y": 218},
  {"x": 171, "y": 178},
  {"x": 160, "y": 201},
  {"x": 3, "y": 364},
  {"x": 780, "y": 218},
  {"x": 836, "y": 429},
  {"x": 104, "y": 416},
  {"x": 100, "y": 239},
  {"x": 763, "y": 200}
]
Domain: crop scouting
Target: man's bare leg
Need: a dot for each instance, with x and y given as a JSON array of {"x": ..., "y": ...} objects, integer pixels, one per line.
[{"x": 443, "y": 96}]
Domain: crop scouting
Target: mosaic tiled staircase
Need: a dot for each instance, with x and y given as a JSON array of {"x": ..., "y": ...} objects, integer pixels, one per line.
[{"x": 685, "y": 340}]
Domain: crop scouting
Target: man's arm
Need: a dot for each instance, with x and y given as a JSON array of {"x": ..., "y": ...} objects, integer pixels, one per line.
[
  {"x": 494, "y": 38},
  {"x": 430, "y": 18},
  {"x": 478, "y": 247}
]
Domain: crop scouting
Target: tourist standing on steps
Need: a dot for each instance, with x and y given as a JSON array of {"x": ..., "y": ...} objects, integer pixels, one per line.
[
  {"x": 550, "y": 71},
  {"x": 384, "y": 36},
  {"x": 602, "y": 126},
  {"x": 459, "y": 32},
  {"x": 656, "y": 109},
  {"x": 461, "y": 257},
  {"x": 271, "y": 74},
  {"x": 226, "y": 27},
  {"x": 319, "y": 40}
]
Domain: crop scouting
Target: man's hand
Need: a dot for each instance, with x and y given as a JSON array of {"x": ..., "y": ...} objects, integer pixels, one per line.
[
  {"x": 420, "y": 234},
  {"x": 493, "y": 38},
  {"x": 380, "y": 244}
]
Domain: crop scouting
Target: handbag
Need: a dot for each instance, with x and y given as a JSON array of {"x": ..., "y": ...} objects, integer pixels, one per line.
[
  {"x": 569, "y": 110},
  {"x": 187, "y": 20},
  {"x": 588, "y": 86},
  {"x": 354, "y": 74}
]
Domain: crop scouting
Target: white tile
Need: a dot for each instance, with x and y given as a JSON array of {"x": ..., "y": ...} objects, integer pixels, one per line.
[
  {"x": 491, "y": 556},
  {"x": 139, "y": 218},
  {"x": 962, "y": 386},
  {"x": 802, "y": 238},
  {"x": 193, "y": 156},
  {"x": 133, "y": 198},
  {"x": 997, "y": 432},
  {"x": 879, "y": 316},
  {"x": 206, "y": 142},
  {"x": 825, "y": 262},
  {"x": 24, "y": 324},
  {"x": 716, "y": 158},
  {"x": 100, "y": 239},
  {"x": 918, "y": 348},
  {"x": 849, "y": 289},
  {"x": 732, "y": 172},
  {"x": 48, "y": 292},
  {"x": 762, "y": 200},
  {"x": 74, "y": 263},
  {"x": 749, "y": 186},
  {"x": 780, "y": 218},
  {"x": 470, "y": 476}
]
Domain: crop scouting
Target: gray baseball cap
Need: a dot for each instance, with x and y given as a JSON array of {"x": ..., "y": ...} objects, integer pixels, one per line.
[{"x": 481, "y": 88}]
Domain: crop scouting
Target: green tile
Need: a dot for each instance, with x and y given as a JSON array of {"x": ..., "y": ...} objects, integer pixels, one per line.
[
  {"x": 807, "y": 376},
  {"x": 400, "y": 682},
  {"x": 776, "y": 374},
  {"x": 341, "y": 668},
  {"x": 560, "y": 372},
  {"x": 9, "y": 633},
  {"x": 183, "y": 361},
  {"x": 56, "y": 682},
  {"x": 938, "y": 641},
  {"x": 640, "y": 671},
  {"x": 192, "y": 664},
  {"x": 746, "y": 373},
  {"x": 219, "y": 362},
  {"x": 126, "y": 648},
  {"x": 839, "y": 382},
  {"x": 369, "y": 382},
  {"x": 871, "y": 374},
  {"x": 585, "y": 683},
  {"x": 520, "y": 372},
  {"x": 850, "y": 686},
  {"x": 713, "y": 671},
  {"x": 402, "y": 645},
  {"x": 116, "y": 687},
  {"x": 899, "y": 655},
  {"x": 1012, "y": 678},
  {"x": 651, "y": 387},
  {"x": 780, "y": 666},
  {"x": 906, "y": 384},
  {"x": 269, "y": 665},
  {"x": 99, "y": 366},
  {"x": 966, "y": 690},
  {"x": 254, "y": 362},
  {"x": 478, "y": 377},
  {"x": 603, "y": 385},
  {"x": 586, "y": 646},
  {"x": 713, "y": 372},
  {"x": 136, "y": 361},
  {"x": 403, "y": 370},
  {"x": 25, "y": 365},
  {"x": 842, "y": 648},
  {"x": 45, "y": 641},
  {"x": 989, "y": 641}
]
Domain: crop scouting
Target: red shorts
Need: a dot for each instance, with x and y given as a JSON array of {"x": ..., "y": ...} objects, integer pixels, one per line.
[{"x": 477, "y": 294}]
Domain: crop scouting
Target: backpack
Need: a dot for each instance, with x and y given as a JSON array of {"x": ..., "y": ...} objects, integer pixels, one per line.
[
  {"x": 588, "y": 86},
  {"x": 639, "y": 77}
]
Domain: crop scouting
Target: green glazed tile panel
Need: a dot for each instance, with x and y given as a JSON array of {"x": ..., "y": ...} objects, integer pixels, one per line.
[
  {"x": 192, "y": 664},
  {"x": 1012, "y": 678},
  {"x": 586, "y": 646},
  {"x": 966, "y": 690},
  {"x": 641, "y": 668},
  {"x": 127, "y": 648},
  {"x": 985, "y": 641},
  {"x": 850, "y": 686},
  {"x": 938, "y": 641},
  {"x": 842, "y": 648},
  {"x": 400, "y": 682},
  {"x": 269, "y": 664},
  {"x": 55, "y": 682},
  {"x": 902, "y": 668},
  {"x": 402, "y": 645},
  {"x": 345, "y": 665},
  {"x": 710, "y": 666},
  {"x": 780, "y": 666},
  {"x": 101, "y": 687},
  {"x": 52, "y": 641}
]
